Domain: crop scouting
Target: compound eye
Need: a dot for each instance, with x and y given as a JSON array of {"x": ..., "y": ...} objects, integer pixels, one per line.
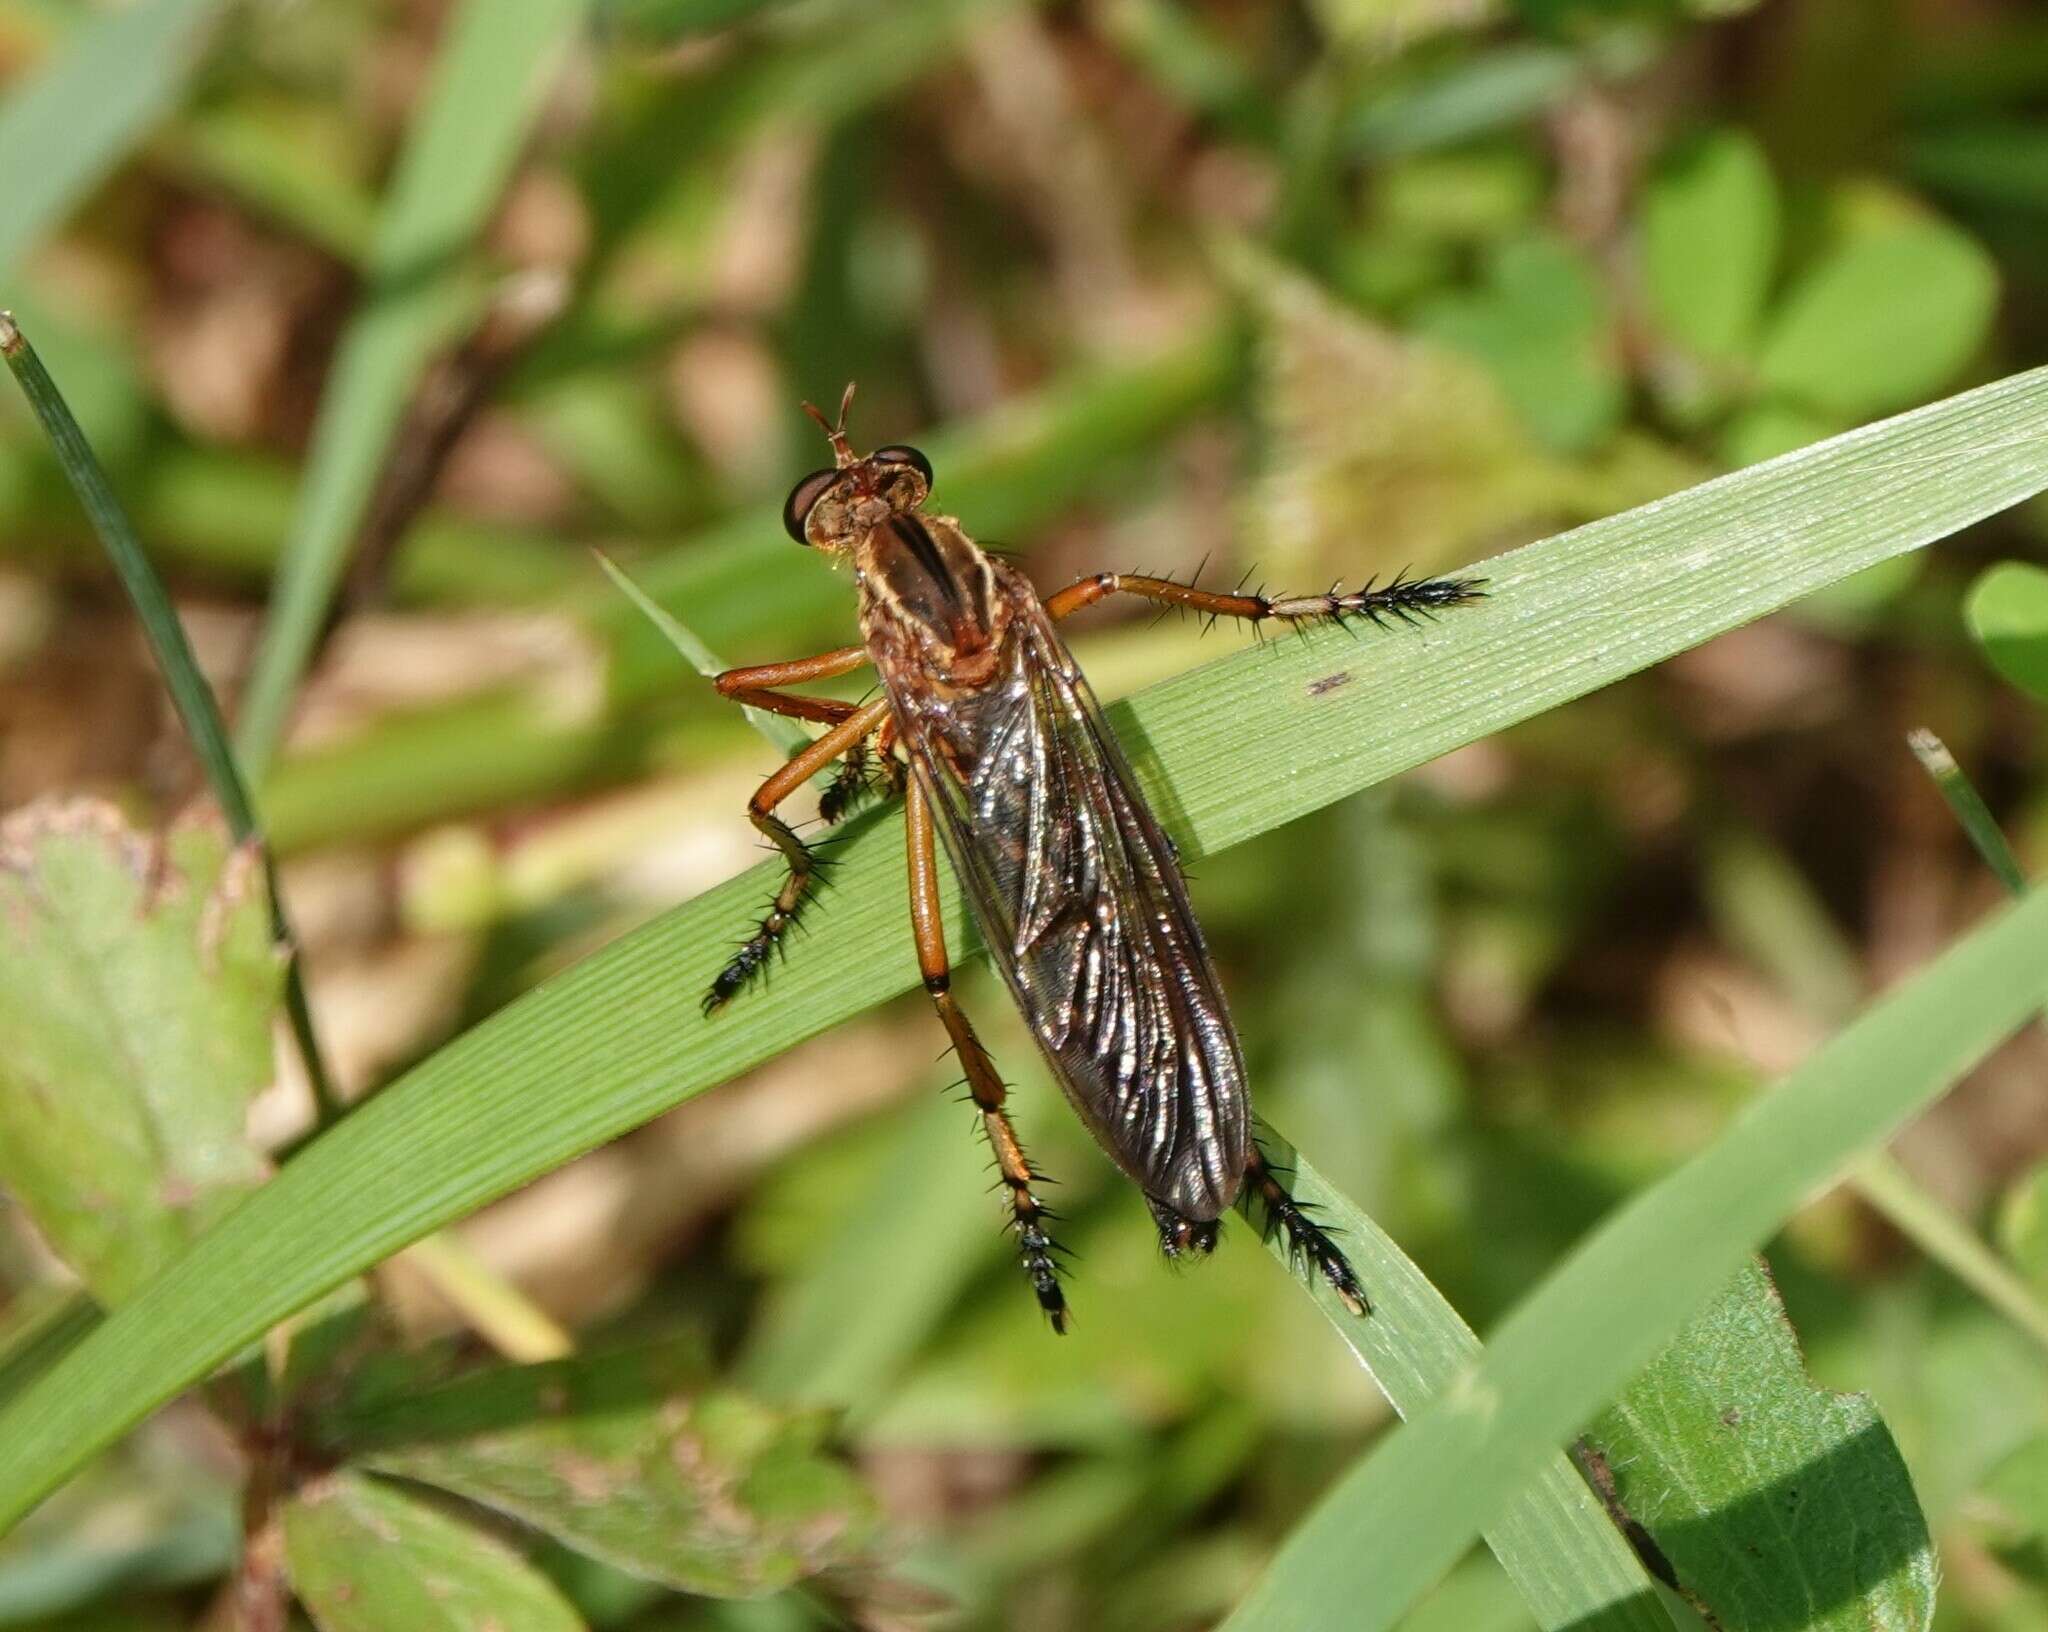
[
  {"x": 796, "y": 509},
  {"x": 897, "y": 454}
]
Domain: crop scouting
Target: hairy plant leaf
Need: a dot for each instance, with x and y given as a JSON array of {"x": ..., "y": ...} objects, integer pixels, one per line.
[
  {"x": 629, "y": 1458},
  {"x": 366, "y": 1557},
  {"x": 1776, "y": 1504},
  {"x": 137, "y": 987},
  {"x": 2008, "y": 613}
]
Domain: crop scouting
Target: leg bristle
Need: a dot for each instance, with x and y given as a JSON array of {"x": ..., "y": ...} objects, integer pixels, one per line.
[{"x": 1308, "y": 1243}]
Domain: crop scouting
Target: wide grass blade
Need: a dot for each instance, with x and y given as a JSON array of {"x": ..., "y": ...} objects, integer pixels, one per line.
[
  {"x": 1554, "y": 1539},
  {"x": 1226, "y": 751},
  {"x": 496, "y": 63},
  {"x": 71, "y": 121},
  {"x": 1402, "y": 1516}
]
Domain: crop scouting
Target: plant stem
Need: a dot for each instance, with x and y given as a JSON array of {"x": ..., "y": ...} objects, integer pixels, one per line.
[{"x": 190, "y": 694}]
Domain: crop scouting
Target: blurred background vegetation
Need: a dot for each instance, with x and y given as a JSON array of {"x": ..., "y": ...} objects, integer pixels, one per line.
[{"x": 1312, "y": 290}]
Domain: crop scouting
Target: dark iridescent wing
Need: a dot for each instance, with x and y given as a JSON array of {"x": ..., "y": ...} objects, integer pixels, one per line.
[{"x": 1082, "y": 904}]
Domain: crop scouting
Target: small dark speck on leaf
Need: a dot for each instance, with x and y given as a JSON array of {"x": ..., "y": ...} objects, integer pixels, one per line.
[{"x": 1329, "y": 683}]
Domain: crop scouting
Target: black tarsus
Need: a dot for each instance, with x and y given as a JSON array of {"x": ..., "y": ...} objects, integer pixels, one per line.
[
  {"x": 1182, "y": 1237},
  {"x": 1307, "y": 1242}
]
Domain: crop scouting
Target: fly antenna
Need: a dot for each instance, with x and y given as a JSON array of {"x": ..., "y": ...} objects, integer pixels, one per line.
[{"x": 835, "y": 433}]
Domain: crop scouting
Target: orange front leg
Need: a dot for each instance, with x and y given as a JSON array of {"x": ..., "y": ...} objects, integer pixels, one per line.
[{"x": 759, "y": 686}]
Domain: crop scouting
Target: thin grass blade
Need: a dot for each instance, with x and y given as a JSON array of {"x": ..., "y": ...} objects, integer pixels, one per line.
[
  {"x": 783, "y": 735},
  {"x": 70, "y": 122},
  {"x": 1971, "y": 812},
  {"x": 198, "y": 710},
  {"x": 496, "y": 63}
]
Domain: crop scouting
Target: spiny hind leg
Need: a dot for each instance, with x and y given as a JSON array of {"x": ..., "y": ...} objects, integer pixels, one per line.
[
  {"x": 1307, "y": 1241},
  {"x": 1180, "y": 1236},
  {"x": 1400, "y": 597},
  {"x": 1036, "y": 1249},
  {"x": 788, "y": 903}
]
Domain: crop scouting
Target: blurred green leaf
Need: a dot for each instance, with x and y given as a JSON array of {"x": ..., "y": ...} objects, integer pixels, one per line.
[
  {"x": 1887, "y": 317},
  {"x": 2007, "y": 611},
  {"x": 2001, "y": 163},
  {"x": 1540, "y": 322},
  {"x": 1775, "y": 1503},
  {"x": 365, "y": 1557},
  {"x": 1764, "y": 430},
  {"x": 671, "y": 22},
  {"x": 145, "y": 1517},
  {"x": 494, "y": 64},
  {"x": 1379, "y": 440},
  {"x": 288, "y": 160},
  {"x": 1405, "y": 1512},
  {"x": 609, "y": 1043},
  {"x": 138, "y": 984},
  {"x": 1710, "y": 241},
  {"x": 629, "y": 1457},
  {"x": 2009, "y": 1511},
  {"x": 835, "y": 1335},
  {"x": 1464, "y": 196},
  {"x": 1390, "y": 25},
  {"x": 2023, "y": 1225},
  {"x": 66, "y": 125}
]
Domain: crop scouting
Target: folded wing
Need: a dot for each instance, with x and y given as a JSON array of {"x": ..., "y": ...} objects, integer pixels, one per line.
[{"x": 1084, "y": 909}]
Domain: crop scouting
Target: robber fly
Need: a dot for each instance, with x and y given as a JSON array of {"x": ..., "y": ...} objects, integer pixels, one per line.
[{"x": 1077, "y": 891}]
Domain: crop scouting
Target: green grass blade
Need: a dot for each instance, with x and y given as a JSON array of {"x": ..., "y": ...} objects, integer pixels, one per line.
[
  {"x": 493, "y": 68},
  {"x": 618, "y": 1038},
  {"x": 782, "y": 734},
  {"x": 1969, "y": 808},
  {"x": 1402, "y": 1516},
  {"x": 1554, "y": 1538},
  {"x": 190, "y": 693},
  {"x": 76, "y": 117}
]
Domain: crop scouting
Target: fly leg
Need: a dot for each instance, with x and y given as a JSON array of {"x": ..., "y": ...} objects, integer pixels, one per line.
[
  {"x": 783, "y": 911},
  {"x": 1035, "y": 1245},
  {"x": 870, "y": 767},
  {"x": 759, "y": 686},
  {"x": 1400, "y": 597},
  {"x": 1306, "y": 1240},
  {"x": 1180, "y": 1236}
]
